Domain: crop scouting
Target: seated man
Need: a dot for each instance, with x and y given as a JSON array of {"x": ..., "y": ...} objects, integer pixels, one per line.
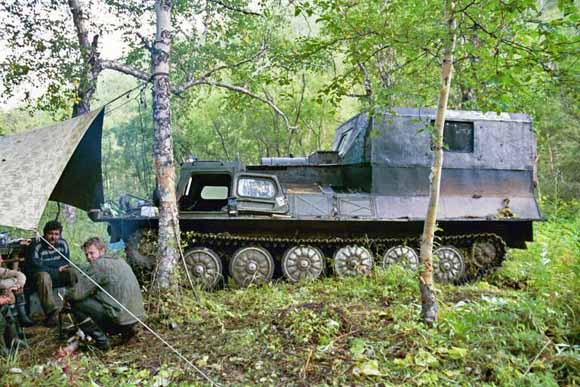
[
  {"x": 93, "y": 310},
  {"x": 49, "y": 269},
  {"x": 10, "y": 281},
  {"x": 12, "y": 284}
]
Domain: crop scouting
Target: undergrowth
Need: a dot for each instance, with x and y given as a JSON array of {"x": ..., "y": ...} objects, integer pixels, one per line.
[{"x": 518, "y": 327}]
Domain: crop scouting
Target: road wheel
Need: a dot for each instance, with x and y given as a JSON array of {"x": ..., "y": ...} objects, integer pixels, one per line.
[
  {"x": 352, "y": 260},
  {"x": 205, "y": 267},
  {"x": 401, "y": 255},
  {"x": 448, "y": 264},
  {"x": 302, "y": 262},
  {"x": 251, "y": 264}
]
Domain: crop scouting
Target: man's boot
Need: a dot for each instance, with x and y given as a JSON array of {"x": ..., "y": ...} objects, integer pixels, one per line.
[
  {"x": 51, "y": 319},
  {"x": 25, "y": 321},
  {"x": 14, "y": 335},
  {"x": 4, "y": 351},
  {"x": 128, "y": 332},
  {"x": 90, "y": 328}
]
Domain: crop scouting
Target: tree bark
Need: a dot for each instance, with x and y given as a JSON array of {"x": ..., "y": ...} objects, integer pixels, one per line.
[
  {"x": 88, "y": 82},
  {"x": 386, "y": 63},
  {"x": 163, "y": 147},
  {"x": 428, "y": 301}
]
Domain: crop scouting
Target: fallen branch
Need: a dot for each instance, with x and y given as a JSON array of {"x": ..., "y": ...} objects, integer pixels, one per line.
[
  {"x": 304, "y": 369},
  {"x": 537, "y": 356}
]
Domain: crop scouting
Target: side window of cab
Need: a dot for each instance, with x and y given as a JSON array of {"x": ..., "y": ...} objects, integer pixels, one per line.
[{"x": 206, "y": 192}]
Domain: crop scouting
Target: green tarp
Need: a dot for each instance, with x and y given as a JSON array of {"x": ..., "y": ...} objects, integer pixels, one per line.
[{"x": 61, "y": 162}]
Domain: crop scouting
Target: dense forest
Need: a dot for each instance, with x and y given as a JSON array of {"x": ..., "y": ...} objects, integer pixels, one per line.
[
  {"x": 319, "y": 64},
  {"x": 270, "y": 78}
]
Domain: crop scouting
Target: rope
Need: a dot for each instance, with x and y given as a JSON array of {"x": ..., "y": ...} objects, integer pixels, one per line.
[
  {"x": 127, "y": 93},
  {"x": 57, "y": 211},
  {"x": 146, "y": 167},
  {"x": 141, "y": 85},
  {"x": 185, "y": 264},
  {"x": 111, "y": 110},
  {"x": 182, "y": 357}
]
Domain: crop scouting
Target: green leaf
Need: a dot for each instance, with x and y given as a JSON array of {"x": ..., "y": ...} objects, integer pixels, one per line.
[
  {"x": 357, "y": 348},
  {"x": 457, "y": 353},
  {"x": 368, "y": 368},
  {"x": 405, "y": 362},
  {"x": 426, "y": 359}
]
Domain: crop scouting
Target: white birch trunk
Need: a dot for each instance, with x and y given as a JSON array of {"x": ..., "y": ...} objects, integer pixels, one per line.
[
  {"x": 163, "y": 148},
  {"x": 428, "y": 300}
]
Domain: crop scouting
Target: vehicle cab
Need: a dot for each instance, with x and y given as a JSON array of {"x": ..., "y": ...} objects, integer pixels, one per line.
[{"x": 226, "y": 188}]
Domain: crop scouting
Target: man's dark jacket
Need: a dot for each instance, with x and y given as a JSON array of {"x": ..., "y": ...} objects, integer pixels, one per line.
[
  {"x": 46, "y": 259},
  {"x": 117, "y": 278}
]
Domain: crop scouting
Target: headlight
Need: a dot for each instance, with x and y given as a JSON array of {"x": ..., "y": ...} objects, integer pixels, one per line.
[{"x": 256, "y": 188}]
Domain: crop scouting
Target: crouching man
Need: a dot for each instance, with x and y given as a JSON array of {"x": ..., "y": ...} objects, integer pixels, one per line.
[{"x": 94, "y": 311}]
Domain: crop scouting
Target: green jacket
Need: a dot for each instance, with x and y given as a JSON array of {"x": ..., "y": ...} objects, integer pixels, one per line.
[{"x": 117, "y": 278}]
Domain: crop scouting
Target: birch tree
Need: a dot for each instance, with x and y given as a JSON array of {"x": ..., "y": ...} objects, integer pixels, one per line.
[
  {"x": 428, "y": 299},
  {"x": 163, "y": 146}
]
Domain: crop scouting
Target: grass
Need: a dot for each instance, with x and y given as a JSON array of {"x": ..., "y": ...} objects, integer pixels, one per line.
[{"x": 520, "y": 327}]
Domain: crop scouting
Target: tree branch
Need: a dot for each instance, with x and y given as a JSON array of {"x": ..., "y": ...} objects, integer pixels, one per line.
[
  {"x": 145, "y": 42},
  {"x": 297, "y": 116},
  {"x": 367, "y": 82},
  {"x": 243, "y": 90},
  {"x": 235, "y": 9},
  {"x": 222, "y": 139},
  {"x": 192, "y": 82},
  {"x": 522, "y": 47},
  {"x": 125, "y": 69},
  {"x": 301, "y": 101}
]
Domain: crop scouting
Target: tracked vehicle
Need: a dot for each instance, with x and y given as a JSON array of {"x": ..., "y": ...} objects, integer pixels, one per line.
[{"x": 358, "y": 205}]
